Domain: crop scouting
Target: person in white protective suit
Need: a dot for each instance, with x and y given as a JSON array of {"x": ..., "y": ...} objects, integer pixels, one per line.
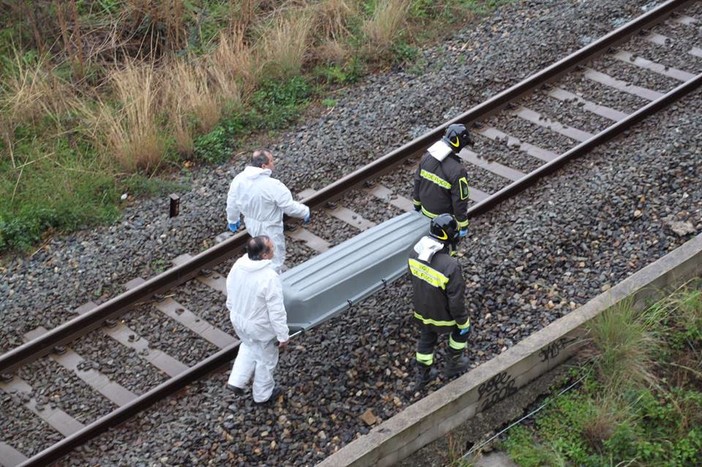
[
  {"x": 263, "y": 201},
  {"x": 255, "y": 303}
]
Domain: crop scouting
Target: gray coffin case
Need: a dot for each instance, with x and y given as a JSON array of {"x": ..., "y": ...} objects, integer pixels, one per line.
[{"x": 330, "y": 282}]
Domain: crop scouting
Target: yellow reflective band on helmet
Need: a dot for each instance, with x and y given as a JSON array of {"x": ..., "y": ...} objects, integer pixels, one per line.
[
  {"x": 427, "y": 274},
  {"x": 457, "y": 345},
  {"x": 463, "y": 186},
  {"x": 435, "y": 179},
  {"x": 455, "y": 145},
  {"x": 425, "y": 358},
  {"x": 434, "y": 322}
]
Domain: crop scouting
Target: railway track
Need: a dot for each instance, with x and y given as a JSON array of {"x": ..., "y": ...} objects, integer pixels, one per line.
[{"x": 505, "y": 119}]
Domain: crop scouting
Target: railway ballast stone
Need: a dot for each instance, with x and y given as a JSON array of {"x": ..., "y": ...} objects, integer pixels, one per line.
[{"x": 531, "y": 261}]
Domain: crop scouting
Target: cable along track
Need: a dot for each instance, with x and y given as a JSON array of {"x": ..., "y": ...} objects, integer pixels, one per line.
[{"x": 106, "y": 319}]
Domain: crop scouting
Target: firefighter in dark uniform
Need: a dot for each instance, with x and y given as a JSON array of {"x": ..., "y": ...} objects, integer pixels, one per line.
[
  {"x": 439, "y": 303},
  {"x": 441, "y": 183}
]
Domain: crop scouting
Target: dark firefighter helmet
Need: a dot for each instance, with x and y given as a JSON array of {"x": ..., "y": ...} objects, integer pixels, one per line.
[
  {"x": 457, "y": 137},
  {"x": 444, "y": 227}
]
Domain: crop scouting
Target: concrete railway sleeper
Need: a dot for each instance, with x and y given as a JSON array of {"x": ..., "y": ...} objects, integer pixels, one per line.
[{"x": 494, "y": 183}]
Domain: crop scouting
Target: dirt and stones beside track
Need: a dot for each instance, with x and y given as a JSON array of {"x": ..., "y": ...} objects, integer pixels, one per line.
[{"x": 529, "y": 262}]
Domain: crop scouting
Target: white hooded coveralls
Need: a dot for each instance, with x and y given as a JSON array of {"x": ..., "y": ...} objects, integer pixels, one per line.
[
  {"x": 255, "y": 303},
  {"x": 263, "y": 201}
]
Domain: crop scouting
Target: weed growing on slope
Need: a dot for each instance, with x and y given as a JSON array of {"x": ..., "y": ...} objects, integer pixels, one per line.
[{"x": 641, "y": 399}]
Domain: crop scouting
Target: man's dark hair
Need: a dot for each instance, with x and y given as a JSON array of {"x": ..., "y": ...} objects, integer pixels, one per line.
[
  {"x": 257, "y": 246},
  {"x": 260, "y": 157}
]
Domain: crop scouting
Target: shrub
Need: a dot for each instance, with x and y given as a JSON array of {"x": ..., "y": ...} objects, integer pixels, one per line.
[
  {"x": 215, "y": 146},
  {"x": 334, "y": 74},
  {"x": 275, "y": 103}
]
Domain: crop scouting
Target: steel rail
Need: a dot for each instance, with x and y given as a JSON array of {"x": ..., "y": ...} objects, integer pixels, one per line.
[
  {"x": 215, "y": 255},
  {"x": 499, "y": 101},
  {"x": 143, "y": 402},
  {"x": 224, "y": 356},
  {"x": 122, "y": 303},
  {"x": 586, "y": 146},
  {"x": 124, "y": 413}
]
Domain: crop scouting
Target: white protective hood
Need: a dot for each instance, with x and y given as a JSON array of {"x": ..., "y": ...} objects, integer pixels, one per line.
[
  {"x": 255, "y": 301},
  {"x": 439, "y": 150},
  {"x": 427, "y": 247}
]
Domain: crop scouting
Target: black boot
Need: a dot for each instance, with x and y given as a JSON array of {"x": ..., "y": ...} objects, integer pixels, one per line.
[
  {"x": 425, "y": 374},
  {"x": 456, "y": 364}
]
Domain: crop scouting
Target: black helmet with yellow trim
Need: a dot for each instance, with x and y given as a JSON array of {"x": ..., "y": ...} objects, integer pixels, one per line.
[
  {"x": 444, "y": 227},
  {"x": 457, "y": 137}
]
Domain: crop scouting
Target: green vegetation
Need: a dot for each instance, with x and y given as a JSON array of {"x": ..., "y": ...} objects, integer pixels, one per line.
[
  {"x": 640, "y": 401},
  {"x": 97, "y": 97}
]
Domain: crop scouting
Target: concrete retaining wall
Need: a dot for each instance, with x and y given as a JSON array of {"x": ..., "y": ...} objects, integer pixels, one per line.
[{"x": 461, "y": 399}]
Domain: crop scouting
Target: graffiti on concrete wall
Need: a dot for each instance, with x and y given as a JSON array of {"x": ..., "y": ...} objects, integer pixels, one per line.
[
  {"x": 495, "y": 389},
  {"x": 552, "y": 350}
]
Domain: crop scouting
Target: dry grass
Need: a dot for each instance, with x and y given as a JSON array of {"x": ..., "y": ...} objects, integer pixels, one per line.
[
  {"x": 385, "y": 26},
  {"x": 136, "y": 109},
  {"x": 31, "y": 94},
  {"x": 183, "y": 134},
  {"x": 130, "y": 134},
  {"x": 31, "y": 91},
  {"x": 600, "y": 424},
  {"x": 331, "y": 31},
  {"x": 233, "y": 66},
  {"x": 198, "y": 93},
  {"x": 332, "y": 51},
  {"x": 243, "y": 14},
  {"x": 331, "y": 19},
  {"x": 187, "y": 88},
  {"x": 164, "y": 19},
  {"x": 284, "y": 43},
  {"x": 684, "y": 312}
]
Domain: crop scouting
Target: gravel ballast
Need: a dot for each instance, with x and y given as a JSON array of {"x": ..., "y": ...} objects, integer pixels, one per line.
[{"x": 528, "y": 262}]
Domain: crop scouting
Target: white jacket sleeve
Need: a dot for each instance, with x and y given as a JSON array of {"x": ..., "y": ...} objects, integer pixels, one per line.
[
  {"x": 233, "y": 211},
  {"x": 285, "y": 201},
  {"x": 276, "y": 309}
]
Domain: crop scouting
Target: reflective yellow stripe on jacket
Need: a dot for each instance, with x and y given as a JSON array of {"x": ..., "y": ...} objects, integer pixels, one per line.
[
  {"x": 434, "y": 178},
  {"x": 427, "y": 274},
  {"x": 429, "y": 214}
]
